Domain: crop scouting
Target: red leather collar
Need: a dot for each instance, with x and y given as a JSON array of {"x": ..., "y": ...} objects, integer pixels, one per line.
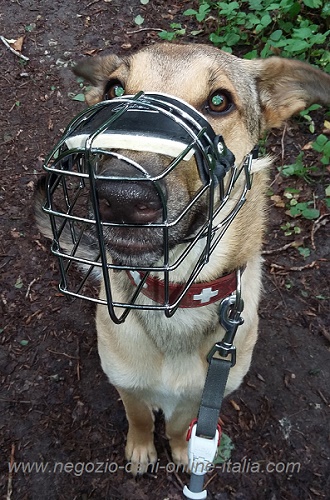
[{"x": 198, "y": 295}]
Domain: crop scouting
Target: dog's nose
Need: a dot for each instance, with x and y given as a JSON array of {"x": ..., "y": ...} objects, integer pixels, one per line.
[{"x": 136, "y": 202}]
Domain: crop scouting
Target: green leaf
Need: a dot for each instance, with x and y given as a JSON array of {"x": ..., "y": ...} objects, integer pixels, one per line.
[
  {"x": 327, "y": 191},
  {"x": 265, "y": 20},
  {"x": 196, "y": 32},
  {"x": 304, "y": 252},
  {"x": 313, "y": 4},
  {"x": 310, "y": 213},
  {"x": 224, "y": 449},
  {"x": 251, "y": 55},
  {"x": 19, "y": 283},
  {"x": 139, "y": 20},
  {"x": 190, "y": 12},
  {"x": 30, "y": 27},
  {"x": 231, "y": 39},
  {"x": 24, "y": 342},
  {"x": 297, "y": 45},
  {"x": 144, "y": 2},
  {"x": 302, "y": 33},
  {"x": 79, "y": 97},
  {"x": 276, "y": 35}
]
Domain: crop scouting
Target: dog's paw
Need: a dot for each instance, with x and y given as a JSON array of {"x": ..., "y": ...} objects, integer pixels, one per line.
[
  {"x": 179, "y": 449},
  {"x": 140, "y": 456}
]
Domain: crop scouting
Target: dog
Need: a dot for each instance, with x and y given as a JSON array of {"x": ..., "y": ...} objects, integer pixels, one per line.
[{"x": 156, "y": 361}]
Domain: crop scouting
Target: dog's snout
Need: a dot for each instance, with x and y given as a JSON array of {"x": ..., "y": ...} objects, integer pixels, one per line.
[{"x": 129, "y": 201}]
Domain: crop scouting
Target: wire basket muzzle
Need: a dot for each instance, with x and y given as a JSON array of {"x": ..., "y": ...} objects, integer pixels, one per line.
[{"x": 115, "y": 202}]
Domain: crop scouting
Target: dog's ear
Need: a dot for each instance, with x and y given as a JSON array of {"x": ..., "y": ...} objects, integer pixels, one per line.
[
  {"x": 97, "y": 71},
  {"x": 287, "y": 87}
]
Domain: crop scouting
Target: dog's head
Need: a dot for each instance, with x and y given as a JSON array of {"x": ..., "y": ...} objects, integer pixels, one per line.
[
  {"x": 239, "y": 99},
  {"x": 155, "y": 197}
]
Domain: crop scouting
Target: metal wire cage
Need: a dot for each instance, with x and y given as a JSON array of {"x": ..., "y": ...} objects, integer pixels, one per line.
[{"x": 155, "y": 123}]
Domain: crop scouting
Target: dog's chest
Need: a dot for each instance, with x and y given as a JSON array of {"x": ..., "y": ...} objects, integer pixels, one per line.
[{"x": 180, "y": 381}]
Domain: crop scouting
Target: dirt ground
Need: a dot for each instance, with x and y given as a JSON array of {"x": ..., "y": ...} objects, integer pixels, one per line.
[{"x": 56, "y": 404}]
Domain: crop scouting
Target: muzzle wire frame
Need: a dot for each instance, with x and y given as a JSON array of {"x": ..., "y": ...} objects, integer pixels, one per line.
[{"x": 71, "y": 187}]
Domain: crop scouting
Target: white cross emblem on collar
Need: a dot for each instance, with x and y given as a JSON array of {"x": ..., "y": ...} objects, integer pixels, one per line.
[{"x": 206, "y": 295}]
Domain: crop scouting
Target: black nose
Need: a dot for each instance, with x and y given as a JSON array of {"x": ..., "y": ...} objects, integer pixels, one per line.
[{"x": 137, "y": 202}]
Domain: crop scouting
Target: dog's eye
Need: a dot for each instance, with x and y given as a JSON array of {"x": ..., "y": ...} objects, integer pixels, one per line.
[
  {"x": 219, "y": 102},
  {"x": 114, "y": 88}
]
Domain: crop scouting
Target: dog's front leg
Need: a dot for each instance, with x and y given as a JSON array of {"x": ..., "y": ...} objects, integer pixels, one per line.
[
  {"x": 140, "y": 449},
  {"x": 176, "y": 431}
]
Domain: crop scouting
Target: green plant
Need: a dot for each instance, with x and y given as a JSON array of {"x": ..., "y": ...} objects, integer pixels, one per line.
[
  {"x": 304, "y": 252},
  {"x": 83, "y": 89},
  {"x": 139, "y": 20},
  {"x": 322, "y": 145},
  {"x": 290, "y": 228},
  {"x": 304, "y": 209},
  {"x": 297, "y": 208},
  {"x": 224, "y": 449},
  {"x": 305, "y": 114},
  {"x": 289, "y": 27},
  {"x": 171, "y": 35},
  {"x": 202, "y": 12},
  {"x": 298, "y": 168},
  {"x": 327, "y": 196}
]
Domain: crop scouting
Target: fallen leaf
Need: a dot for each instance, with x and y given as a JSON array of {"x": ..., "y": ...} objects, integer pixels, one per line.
[
  {"x": 287, "y": 380},
  {"x": 15, "y": 234},
  {"x": 18, "y": 44},
  {"x": 91, "y": 52},
  {"x": 278, "y": 202},
  {"x": 327, "y": 124},
  {"x": 307, "y": 146}
]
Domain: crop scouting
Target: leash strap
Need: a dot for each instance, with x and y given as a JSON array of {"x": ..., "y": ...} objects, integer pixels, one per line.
[
  {"x": 213, "y": 394},
  {"x": 204, "y": 436}
]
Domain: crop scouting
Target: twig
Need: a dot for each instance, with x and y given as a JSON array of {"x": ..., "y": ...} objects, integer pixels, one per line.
[
  {"x": 282, "y": 143},
  {"x": 210, "y": 480},
  {"x": 143, "y": 29},
  {"x": 5, "y": 42},
  {"x": 325, "y": 333},
  {"x": 92, "y": 3},
  {"x": 62, "y": 354},
  {"x": 5, "y": 400},
  {"x": 78, "y": 359},
  {"x": 10, "y": 476},
  {"x": 279, "y": 249},
  {"x": 316, "y": 226},
  {"x": 294, "y": 268},
  {"x": 29, "y": 287},
  {"x": 322, "y": 397},
  {"x": 176, "y": 475}
]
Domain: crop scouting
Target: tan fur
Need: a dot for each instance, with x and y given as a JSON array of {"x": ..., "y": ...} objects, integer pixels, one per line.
[{"x": 159, "y": 362}]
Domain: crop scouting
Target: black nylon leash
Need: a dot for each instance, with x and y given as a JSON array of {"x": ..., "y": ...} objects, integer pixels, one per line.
[
  {"x": 203, "y": 439},
  {"x": 213, "y": 394}
]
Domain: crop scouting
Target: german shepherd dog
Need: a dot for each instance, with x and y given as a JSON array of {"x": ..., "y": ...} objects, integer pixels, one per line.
[{"x": 156, "y": 361}]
